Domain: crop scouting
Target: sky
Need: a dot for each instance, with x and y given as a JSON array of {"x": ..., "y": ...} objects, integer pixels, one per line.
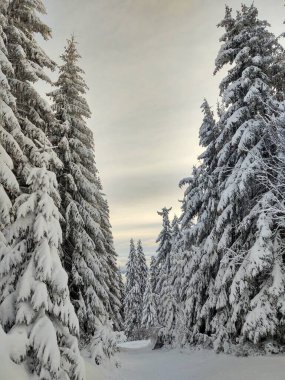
[{"x": 148, "y": 65}]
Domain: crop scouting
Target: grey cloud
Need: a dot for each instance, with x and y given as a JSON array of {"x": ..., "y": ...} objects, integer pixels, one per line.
[{"x": 148, "y": 64}]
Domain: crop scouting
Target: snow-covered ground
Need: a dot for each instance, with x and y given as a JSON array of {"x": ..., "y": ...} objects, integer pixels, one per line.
[
  {"x": 142, "y": 364},
  {"x": 8, "y": 369}
]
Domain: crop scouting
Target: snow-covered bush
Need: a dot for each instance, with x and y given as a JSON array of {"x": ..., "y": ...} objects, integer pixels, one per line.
[{"x": 103, "y": 344}]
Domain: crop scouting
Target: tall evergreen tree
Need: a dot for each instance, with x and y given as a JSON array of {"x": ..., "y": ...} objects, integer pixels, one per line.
[
  {"x": 115, "y": 304},
  {"x": 153, "y": 271},
  {"x": 244, "y": 307},
  {"x": 198, "y": 221},
  {"x": 177, "y": 327},
  {"x": 191, "y": 206},
  {"x": 149, "y": 312},
  {"x": 37, "y": 299},
  {"x": 34, "y": 294},
  {"x": 176, "y": 269},
  {"x": 29, "y": 63},
  {"x": 133, "y": 297},
  {"x": 164, "y": 248},
  {"x": 122, "y": 294},
  {"x": 24, "y": 114},
  {"x": 131, "y": 267},
  {"x": 88, "y": 247},
  {"x": 164, "y": 288},
  {"x": 141, "y": 267},
  {"x": 10, "y": 152}
]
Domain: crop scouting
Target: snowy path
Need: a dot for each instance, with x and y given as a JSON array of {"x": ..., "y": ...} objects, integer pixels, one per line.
[{"x": 145, "y": 364}]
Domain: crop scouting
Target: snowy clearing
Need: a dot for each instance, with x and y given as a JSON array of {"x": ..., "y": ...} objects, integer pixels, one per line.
[
  {"x": 140, "y": 362},
  {"x": 144, "y": 364}
]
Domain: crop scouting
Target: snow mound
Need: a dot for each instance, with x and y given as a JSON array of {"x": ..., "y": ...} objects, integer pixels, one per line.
[
  {"x": 135, "y": 345},
  {"x": 10, "y": 370}
]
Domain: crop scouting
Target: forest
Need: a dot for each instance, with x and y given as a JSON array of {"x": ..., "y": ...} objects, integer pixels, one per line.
[{"x": 217, "y": 278}]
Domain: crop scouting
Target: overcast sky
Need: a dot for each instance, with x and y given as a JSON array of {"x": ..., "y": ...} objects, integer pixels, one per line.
[{"x": 148, "y": 65}]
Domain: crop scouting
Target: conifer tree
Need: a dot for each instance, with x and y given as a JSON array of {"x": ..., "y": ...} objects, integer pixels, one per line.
[
  {"x": 141, "y": 267},
  {"x": 87, "y": 245},
  {"x": 200, "y": 245},
  {"x": 164, "y": 288},
  {"x": 164, "y": 248},
  {"x": 167, "y": 311},
  {"x": 10, "y": 152},
  {"x": 115, "y": 304},
  {"x": 246, "y": 246},
  {"x": 176, "y": 269},
  {"x": 11, "y": 155},
  {"x": 173, "y": 313},
  {"x": 34, "y": 295},
  {"x": 29, "y": 63},
  {"x": 24, "y": 114},
  {"x": 133, "y": 297},
  {"x": 133, "y": 303},
  {"x": 122, "y": 294},
  {"x": 37, "y": 299},
  {"x": 153, "y": 272},
  {"x": 131, "y": 267},
  {"x": 177, "y": 328},
  {"x": 191, "y": 206},
  {"x": 149, "y": 313},
  {"x": 104, "y": 343}
]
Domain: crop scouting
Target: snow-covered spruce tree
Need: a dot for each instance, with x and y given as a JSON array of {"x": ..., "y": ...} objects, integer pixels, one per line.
[
  {"x": 22, "y": 62},
  {"x": 264, "y": 323},
  {"x": 133, "y": 297},
  {"x": 176, "y": 256},
  {"x": 149, "y": 313},
  {"x": 173, "y": 324},
  {"x": 29, "y": 63},
  {"x": 109, "y": 258},
  {"x": 131, "y": 267},
  {"x": 87, "y": 242},
  {"x": 166, "y": 305},
  {"x": 153, "y": 271},
  {"x": 24, "y": 115},
  {"x": 104, "y": 343},
  {"x": 132, "y": 308},
  {"x": 168, "y": 310},
  {"x": 176, "y": 275},
  {"x": 199, "y": 235},
  {"x": 272, "y": 292},
  {"x": 34, "y": 295},
  {"x": 122, "y": 293},
  {"x": 246, "y": 304},
  {"x": 10, "y": 152},
  {"x": 191, "y": 205},
  {"x": 38, "y": 305},
  {"x": 153, "y": 274},
  {"x": 164, "y": 248},
  {"x": 141, "y": 267}
]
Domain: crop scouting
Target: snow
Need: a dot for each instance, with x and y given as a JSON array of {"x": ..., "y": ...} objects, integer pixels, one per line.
[
  {"x": 9, "y": 370},
  {"x": 191, "y": 365},
  {"x": 135, "y": 344},
  {"x": 138, "y": 361}
]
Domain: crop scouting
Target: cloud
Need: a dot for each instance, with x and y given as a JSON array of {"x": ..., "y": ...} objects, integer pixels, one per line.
[{"x": 148, "y": 64}]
